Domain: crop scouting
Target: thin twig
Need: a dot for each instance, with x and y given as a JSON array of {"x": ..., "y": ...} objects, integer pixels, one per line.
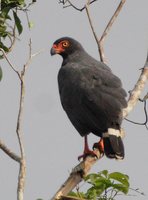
[
  {"x": 9, "y": 62},
  {"x": 92, "y": 28},
  {"x": 146, "y": 117},
  {"x": 107, "y": 29},
  {"x": 100, "y": 42},
  {"x": 110, "y": 23},
  {"x": 11, "y": 154},
  {"x": 75, "y": 7}
]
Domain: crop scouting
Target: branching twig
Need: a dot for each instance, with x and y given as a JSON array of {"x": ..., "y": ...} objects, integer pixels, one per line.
[
  {"x": 10, "y": 64},
  {"x": 21, "y": 160},
  {"x": 107, "y": 29},
  {"x": 70, "y": 4},
  {"x": 146, "y": 117},
  {"x": 100, "y": 42},
  {"x": 9, "y": 152},
  {"x": 22, "y": 172}
]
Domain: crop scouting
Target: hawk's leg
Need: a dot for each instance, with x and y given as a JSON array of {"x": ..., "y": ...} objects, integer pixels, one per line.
[{"x": 87, "y": 151}]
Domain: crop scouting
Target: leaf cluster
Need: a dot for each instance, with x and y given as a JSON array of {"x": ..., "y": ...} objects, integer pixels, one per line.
[
  {"x": 9, "y": 20},
  {"x": 105, "y": 186}
]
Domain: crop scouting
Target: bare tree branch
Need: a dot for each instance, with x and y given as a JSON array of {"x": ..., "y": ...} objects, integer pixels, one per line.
[
  {"x": 146, "y": 116},
  {"x": 70, "y": 4},
  {"x": 9, "y": 62},
  {"x": 135, "y": 94},
  {"x": 107, "y": 29},
  {"x": 100, "y": 42},
  {"x": 21, "y": 160},
  {"x": 9, "y": 152},
  {"x": 22, "y": 171}
]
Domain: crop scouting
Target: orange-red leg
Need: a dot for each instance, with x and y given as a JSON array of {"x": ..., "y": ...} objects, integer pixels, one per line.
[
  {"x": 99, "y": 145},
  {"x": 86, "y": 151}
]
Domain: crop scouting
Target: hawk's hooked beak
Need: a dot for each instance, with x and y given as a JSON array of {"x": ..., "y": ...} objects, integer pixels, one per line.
[
  {"x": 53, "y": 51},
  {"x": 56, "y": 49}
]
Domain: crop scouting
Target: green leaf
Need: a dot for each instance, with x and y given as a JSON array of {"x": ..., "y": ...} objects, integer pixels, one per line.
[
  {"x": 4, "y": 13},
  {"x": 91, "y": 178},
  {"x": 2, "y": 29},
  {"x": 91, "y": 194},
  {"x": 18, "y": 22},
  {"x": 122, "y": 178},
  {"x": 106, "y": 182},
  {"x": 21, "y": 2},
  {"x": 122, "y": 188},
  {"x": 1, "y": 73},
  {"x": 3, "y": 47},
  {"x": 104, "y": 172}
]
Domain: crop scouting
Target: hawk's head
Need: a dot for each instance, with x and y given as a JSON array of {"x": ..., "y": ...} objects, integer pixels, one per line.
[{"x": 65, "y": 46}]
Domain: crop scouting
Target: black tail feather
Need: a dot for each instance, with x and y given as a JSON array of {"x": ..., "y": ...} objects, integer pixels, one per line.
[{"x": 113, "y": 147}]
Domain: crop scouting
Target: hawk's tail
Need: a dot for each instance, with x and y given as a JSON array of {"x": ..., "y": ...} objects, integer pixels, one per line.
[{"x": 113, "y": 145}]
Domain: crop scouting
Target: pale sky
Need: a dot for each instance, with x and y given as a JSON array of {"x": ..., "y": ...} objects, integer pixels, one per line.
[{"x": 52, "y": 145}]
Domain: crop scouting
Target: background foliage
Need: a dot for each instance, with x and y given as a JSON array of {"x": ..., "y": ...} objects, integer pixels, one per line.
[{"x": 10, "y": 20}]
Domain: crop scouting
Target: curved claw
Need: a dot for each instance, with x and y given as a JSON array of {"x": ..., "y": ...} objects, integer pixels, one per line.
[{"x": 89, "y": 153}]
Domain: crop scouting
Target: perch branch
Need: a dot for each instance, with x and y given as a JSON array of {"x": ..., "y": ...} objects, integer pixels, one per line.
[
  {"x": 135, "y": 94},
  {"x": 77, "y": 175},
  {"x": 9, "y": 152}
]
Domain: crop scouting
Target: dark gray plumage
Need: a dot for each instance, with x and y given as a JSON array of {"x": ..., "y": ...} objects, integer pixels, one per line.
[{"x": 91, "y": 94}]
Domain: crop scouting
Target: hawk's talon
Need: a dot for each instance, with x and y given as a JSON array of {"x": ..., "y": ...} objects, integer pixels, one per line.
[
  {"x": 100, "y": 146},
  {"x": 90, "y": 153}
]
